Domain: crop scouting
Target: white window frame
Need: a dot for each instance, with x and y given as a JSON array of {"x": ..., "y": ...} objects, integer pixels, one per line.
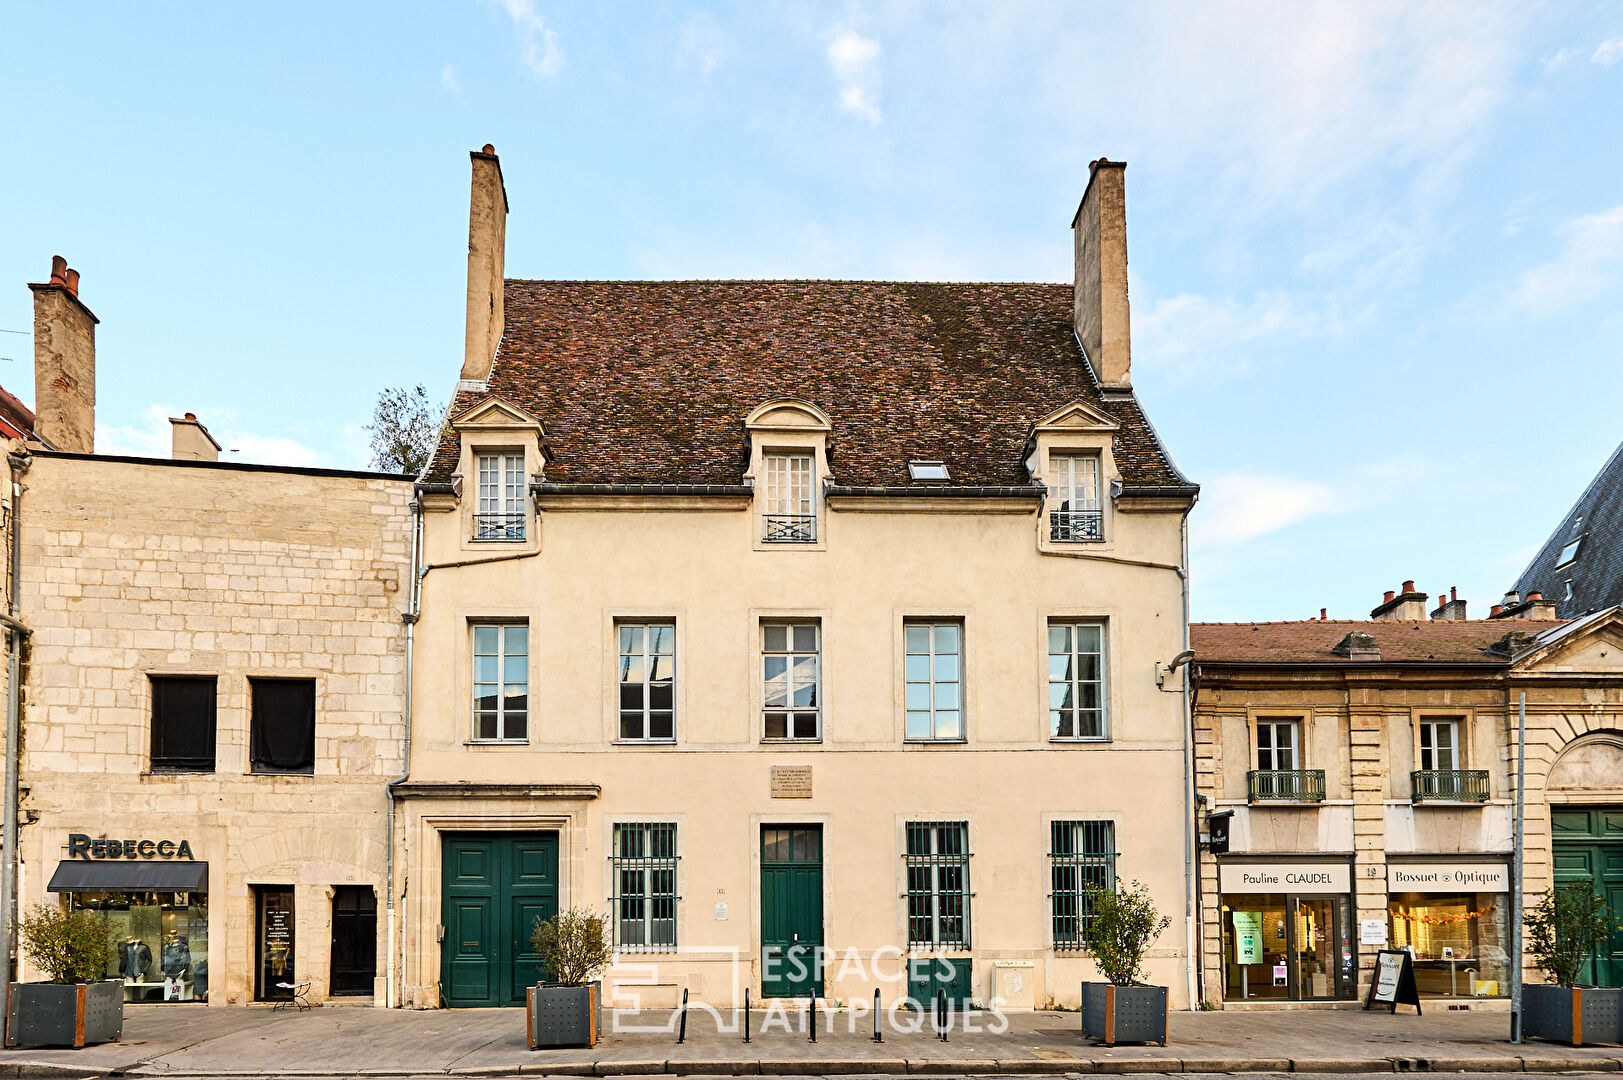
[
  {"x": 646, "y": 683},
  {"x": 1074, "y": 491},
  {"x": 1427, "y": 744},
  {"x": 501, "y": 684},
  {"x": 1273, "y": 725},
  {"x": 932, "y": 684},
  {"x": 501, "y": 505},
  {"x": 789, "y": 654},
  {"x": 789, "y": 508},
  {"x": 1074, "y": 683}
]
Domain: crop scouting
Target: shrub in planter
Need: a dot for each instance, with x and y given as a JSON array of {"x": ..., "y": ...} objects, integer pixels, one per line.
[
  {"x": 574, "y": 948},
  {"x": 1562, "y": 933},
  {"x": 1121, "y": 928},
  {"x": 77, "y": 1007}
]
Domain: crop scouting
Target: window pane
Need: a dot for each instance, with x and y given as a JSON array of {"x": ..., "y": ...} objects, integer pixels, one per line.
[
  {"x": 777, "y": 725},
  {"x": 1059, "y": 668},
  {"x": 484, "y": 725},
  {"x": 660, "y": 696},
  {"x": 631, "y": 697},
  {"x": 484, "y": 669},
  {"x": 631, "y": 669},
  {"x": 1062, "y": 723},
  {"x": 1059, "y": 639},
  {"x": 484, "y": 639},
  {"x": 662, "y": 639},
  {"x": 917, "y": 669},
  {"x": 948, "y": 725},
  {"x": 1059, "y": 695},
  {"x": 662, "y": 667},
  {"x": 661, "y": 725},
  {"x": 918, "y": 725},
  {"x": 918, "y": 696},
  {"x": 946, "y": 638},
  {"x": 631, "y": 639},
  {"x": 806, "y": 638},
  {"x": 631, "y": 724},
  {"x": 514, "y": 669},
  {"x": 1087, "y": 638},
  {"x": 775, "y": 637},
  {"x": 946, "y": 695},
  {"x": 918, "y": 638},
  {"x": 946, "y": 668},
  {"x": 805, "y": 725},
  {"x": 517, "y": 640}
]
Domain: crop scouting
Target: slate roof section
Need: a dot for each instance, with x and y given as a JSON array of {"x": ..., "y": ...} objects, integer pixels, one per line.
[
  {"x": 1436, "y": 641},
  {"x": 1596, "y": 573},
  {"x": 649, "y": 382}
]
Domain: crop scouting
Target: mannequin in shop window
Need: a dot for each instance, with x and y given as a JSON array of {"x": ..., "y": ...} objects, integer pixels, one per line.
[
  {"x": 134, "y": 958},
  {"x": 177, "y": 956}
]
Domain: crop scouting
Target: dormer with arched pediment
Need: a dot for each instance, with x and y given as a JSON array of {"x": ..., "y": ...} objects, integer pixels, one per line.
[
  {"x": 788, "y": 468},
  {"x": 1069, "y": 453},
  {"x": 503, "y": 448}
]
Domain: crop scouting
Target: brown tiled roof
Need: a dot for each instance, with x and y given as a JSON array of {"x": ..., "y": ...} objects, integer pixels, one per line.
[
  {"x": 1463, "y": 641},
  {"x": 650, "y": 381},
  {"x": 16, "y": 419}
]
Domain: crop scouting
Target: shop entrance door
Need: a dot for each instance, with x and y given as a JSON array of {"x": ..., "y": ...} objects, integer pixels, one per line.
[
  {"x": 791, "y": 910},
  {"x": 354, "y": 940},
  {"x": 275, "y": 969},
  {"x": 494, "y": 886},
  {"x": 1588, "y": 844},
  {"x": 1321, "y": 947}
]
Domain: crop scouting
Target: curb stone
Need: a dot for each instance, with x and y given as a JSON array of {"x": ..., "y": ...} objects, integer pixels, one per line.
[{"x": 1341, "y": 1065}]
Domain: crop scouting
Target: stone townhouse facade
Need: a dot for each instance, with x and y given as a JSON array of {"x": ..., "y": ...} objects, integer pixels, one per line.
[
  {"x": 213, "y": 696},
  {"x": 802, "y": 628},
  {"x": 1356, "y": 783}
]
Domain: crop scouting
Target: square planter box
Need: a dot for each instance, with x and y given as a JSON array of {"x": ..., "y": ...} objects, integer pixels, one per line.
[
  {"x": 1579, "y": 1015},
  {"x": 1116, "y": 1014},
  {"x": 55, "y": 1014},
  {"x": 557, "y": 1016}
]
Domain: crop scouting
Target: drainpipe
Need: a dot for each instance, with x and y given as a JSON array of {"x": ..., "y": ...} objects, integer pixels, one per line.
[
  {"x": 391, "y": 998},
  {"x": 1190, "y": 827},
  {"x": 15, "y": 632}
]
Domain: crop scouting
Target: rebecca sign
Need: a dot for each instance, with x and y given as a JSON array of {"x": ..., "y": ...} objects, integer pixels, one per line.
[
  {"x": 1302, "y": 877},
  {"x": 81, "y": 846},
  {"x": 1447, "y": 877}
]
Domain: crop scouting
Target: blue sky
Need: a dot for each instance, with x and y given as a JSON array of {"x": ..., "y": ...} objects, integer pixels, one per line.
[{"x": 1376, "y": 249}]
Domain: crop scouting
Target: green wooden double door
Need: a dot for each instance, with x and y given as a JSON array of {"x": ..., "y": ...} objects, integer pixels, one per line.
[
  {"x": 494, "y": 888},
  {"x": 1588, "y": 844},
  {"x": 791, "y": 910}
]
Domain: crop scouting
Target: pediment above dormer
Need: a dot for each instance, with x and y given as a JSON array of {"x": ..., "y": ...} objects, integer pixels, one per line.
[
  {"x": 788, "y": 414},
  {"x": 492, "y": 412},
  {"x": 1078, "y": 416}
]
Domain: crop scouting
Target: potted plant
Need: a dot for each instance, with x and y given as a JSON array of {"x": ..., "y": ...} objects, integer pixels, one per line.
[
  {"x": 567, "y": 1011},
  {"x": 1120, "y": 929},
  {"x": 77, "y": 1006},
  {"x": 1562, "y": 933}
]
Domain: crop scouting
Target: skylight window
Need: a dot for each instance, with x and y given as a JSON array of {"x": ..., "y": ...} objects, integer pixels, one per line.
[
  {"x": 1570, "y": 552},
  {"x": 928, "y": 470}
]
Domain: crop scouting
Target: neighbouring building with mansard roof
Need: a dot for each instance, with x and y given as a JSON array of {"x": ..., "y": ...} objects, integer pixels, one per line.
[
  {"x": 1580, "y": 566},
  {"x": 806, "y": 628}
]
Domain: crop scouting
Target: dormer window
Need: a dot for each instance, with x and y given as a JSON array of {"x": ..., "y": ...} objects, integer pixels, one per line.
[
  {"x": 501, "y": 511},
  {"x": 1075, "y": 514},
  {"x": 790, "y": 510},
  {"x": 1569, "y": 554},
  {"x": 928, "y": 470}
]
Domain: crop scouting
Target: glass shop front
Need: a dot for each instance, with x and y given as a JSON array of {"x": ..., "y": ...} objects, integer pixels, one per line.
[
  {"x": 1287, "y": 931},
  {"x": 1454, "y": 919}
]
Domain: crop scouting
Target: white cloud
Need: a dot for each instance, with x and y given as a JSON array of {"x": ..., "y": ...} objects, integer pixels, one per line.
[
  {"x": 1587, "y": 265},
  {"x": 854, "y": 60},
  {"x": 1190, "y": 335},
  {"x": 1608, "y": 52},
  {"x": 537, "y": 42},
  {"x": 701, "y": 43},
  {"x": 448, "y": 79},
  {"x": 150, "y": 436},
  {"x": 1237, "y": 507}
]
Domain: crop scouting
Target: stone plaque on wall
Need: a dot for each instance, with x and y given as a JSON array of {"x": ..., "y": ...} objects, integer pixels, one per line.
[{"x": 791, "y": 782}]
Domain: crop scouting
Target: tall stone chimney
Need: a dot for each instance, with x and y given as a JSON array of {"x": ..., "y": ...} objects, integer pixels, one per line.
[
  {"x": 64, "y": 363},
  {"x": 191, "y": 441},
  {"x": 487, "y": 256},
  {"x": 1452, "y": 608},
  {"x": 1406, "y": 605},
  {"x": 1099, "y": 295}
]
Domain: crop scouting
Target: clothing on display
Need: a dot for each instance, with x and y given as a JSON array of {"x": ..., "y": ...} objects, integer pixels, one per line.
[
  {"x": 134, "y": 957},
  {"x": 161, "y": 942},
  {"x": 177, "y": 957}
]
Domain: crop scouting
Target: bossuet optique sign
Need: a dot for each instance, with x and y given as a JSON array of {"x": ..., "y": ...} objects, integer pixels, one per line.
[{"x": 81, "y": 846}]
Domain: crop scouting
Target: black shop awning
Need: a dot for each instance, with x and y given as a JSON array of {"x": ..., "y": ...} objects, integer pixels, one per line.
[{"x": 120, "y": 876}]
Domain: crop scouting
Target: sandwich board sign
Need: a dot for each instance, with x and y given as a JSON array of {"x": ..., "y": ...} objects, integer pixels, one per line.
[{"x": 1394, "y": 983}]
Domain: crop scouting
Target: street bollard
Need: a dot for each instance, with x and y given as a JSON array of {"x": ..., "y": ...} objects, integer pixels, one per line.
[
  {"x": 682, "y": 1033},
  {"x": 746, "y": 1014},
  {"x": 811, "y": 1011},
  {"x": 942, "y": 1015},
  {"x": 878, "y": 1038}
]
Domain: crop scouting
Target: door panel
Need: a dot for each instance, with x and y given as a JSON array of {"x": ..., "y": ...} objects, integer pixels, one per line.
[
  {"x": 495, "y": 888},
  {"x": 1588, "y": 845},
  {"x": 354, "y": 940},
  {"x": 791, "y": 910}
]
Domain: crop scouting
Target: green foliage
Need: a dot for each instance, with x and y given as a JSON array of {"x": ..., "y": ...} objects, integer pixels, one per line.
[
  {"x": 404, "y": 428},
  {"x": 1565, "y": 927},
  {"x": 70, "y": 946},
  {"x": 1123, "y": 925},
  {"x": 573, "y": 945}
]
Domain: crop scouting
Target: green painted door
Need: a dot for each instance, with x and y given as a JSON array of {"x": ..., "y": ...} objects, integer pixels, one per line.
[
  {"x": 495, "y": 885},
  {"x": 791, "y": 910},
  {"x": 928, "y": 975},
  {"x": 1588, "y": 844}
]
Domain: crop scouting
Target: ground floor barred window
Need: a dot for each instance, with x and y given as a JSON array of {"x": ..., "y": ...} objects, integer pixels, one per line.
[
  {"x": 644, "y": 877},
  {"x": 1080, "y": 854}
]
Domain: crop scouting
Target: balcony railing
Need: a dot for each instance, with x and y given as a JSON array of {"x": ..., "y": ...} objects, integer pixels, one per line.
[
  {"x": 505, "y": 526},
  {"x": 791, "y": 529},
  {"x": 1286, "y": 785},
  {"x": 1076, "y": 526},
  {"x": 1450, "y": 785}
]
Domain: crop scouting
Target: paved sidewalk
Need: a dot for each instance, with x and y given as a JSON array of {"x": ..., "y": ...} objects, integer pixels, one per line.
[{"x": 177, "y": 1041}]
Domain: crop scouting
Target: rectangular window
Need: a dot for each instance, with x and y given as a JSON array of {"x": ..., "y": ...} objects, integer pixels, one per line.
[
  {"x": 1278, "y": 746},
  {"x": 1075, "y": 514},
  {"x": 647, "y": 676},
  {"x": 183, "y": 723},
  {"x": 644, "y": 876},
  {"x": 501, "y": 682},
  {"x": 791, "y": 508},
  {"x": 1440, "y": 745},
  {"x": 792, "y": 682},
  {"x": 1081, "y": 854},
  {"x": 501, "y": 512},
  {"x": 282, "y": 727},
  {"x": 934, "y": 680},
  {"x": 937, "y": 863},
  {"x": 1076, "y": 680}
]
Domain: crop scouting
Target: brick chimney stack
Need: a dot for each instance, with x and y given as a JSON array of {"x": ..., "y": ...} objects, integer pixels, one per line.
[
  {"x": 64, "y": 363},
  {"x": 1099, "y": 292},
  {"x": 1452, "y": 609},
  {"x": 487, "y": 258},
  {"x": 1534, "y": 607},
  {"x": 1406, "y": 606},
  {"x": 191, "y": 441}
]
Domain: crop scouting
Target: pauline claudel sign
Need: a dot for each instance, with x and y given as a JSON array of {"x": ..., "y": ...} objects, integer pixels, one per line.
[{"x": 81, "y": 846}]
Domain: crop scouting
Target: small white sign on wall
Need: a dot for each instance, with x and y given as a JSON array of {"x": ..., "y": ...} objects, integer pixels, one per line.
[
  {"x": 1372, "y": 932},
  {"x": 721, "y": 912}
]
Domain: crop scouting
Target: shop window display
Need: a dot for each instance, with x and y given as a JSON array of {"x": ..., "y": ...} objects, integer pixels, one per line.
[
  {"x": 1460, "y": 942},
  {"x": 160, "y": 942}
]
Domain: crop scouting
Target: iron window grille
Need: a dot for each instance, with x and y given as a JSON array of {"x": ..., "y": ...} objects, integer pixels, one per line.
[
  {"x": 933, "y": 680},
  {"x": 644, "y": 877},
  {"x": 501, "y": 682},
  {"x": 1081, "y": 854},
  {"x": 647, "y": 677},
  {"x": 790, "y": 529},
  {"x": 1076, "y": 681},
  {"x": 790, "y": 513},
  {"x": 1077, "y": 516},
  {"x": 938, "y": 895},
  {"x": 1076, "y": 526},
  {"x": 791, "y": 662},
  {"x": 501, "y": 512},
  {"x": 1450, "y": 785}
]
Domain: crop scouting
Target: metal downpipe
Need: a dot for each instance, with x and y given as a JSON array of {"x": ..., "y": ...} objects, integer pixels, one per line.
[{"x": 392, "y": 996}]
